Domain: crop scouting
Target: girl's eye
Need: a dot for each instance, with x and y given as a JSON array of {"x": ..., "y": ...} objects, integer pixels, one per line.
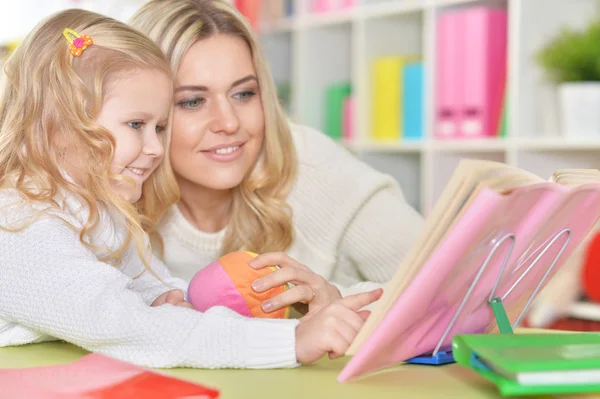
[
  {"x": 192, "y": 103},
  {"x": 135, "y": 125},
  {"x": 245, "y": 95},
  {"x": 160, "y": 129}
]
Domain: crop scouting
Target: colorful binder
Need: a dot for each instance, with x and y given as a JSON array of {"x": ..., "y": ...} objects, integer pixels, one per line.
[
  {"x": 289, "y": 8},
  {"x": 412, "y": 101},
  {"x": 335, "y": 96},
  {"x": 503, "y": 123},
  {"x": 471, "y": 72},
  {"x": 448, "y": 76},
  {"x": 249, "y": 9},
  {"x": 533, "y": 364},
  {"x": 272, "y": 10},
  {"x": 483, "y": 65},
  {"x": 321, "y": 6},
  {"x": 284, "y": 93},
  {"x": 348, "y": 119},
  {"x": 496, "y": 232},
  {"x": 386, "y": 101}
]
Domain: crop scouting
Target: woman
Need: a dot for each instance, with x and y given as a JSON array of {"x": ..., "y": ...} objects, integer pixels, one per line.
[{"x": 250, "y": 180}]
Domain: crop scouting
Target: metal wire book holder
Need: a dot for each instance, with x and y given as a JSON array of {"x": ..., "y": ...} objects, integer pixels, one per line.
[{"x": 438, "y": 356}]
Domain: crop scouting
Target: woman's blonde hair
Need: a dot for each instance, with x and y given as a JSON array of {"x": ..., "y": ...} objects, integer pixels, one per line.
[
  {"x": 49, "y": 101},
  {"x": 261, "y": 219}
]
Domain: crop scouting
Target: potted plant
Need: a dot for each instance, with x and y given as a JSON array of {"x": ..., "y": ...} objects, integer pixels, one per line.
[{"x": 572, "y": 61}]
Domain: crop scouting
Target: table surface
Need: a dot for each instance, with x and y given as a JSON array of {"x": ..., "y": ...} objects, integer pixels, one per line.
[{"x": 316, "y": 380}]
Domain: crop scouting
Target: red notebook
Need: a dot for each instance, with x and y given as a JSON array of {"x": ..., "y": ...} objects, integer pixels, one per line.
[{"x": 97, "y": 377}]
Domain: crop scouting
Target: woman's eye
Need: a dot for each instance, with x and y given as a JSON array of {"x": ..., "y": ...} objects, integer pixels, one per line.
[
  {"x": 160, "y": 129},
  {"x": 135, "y": 125},
  {"x": 245, "y": 95},
  {"x": 191, "y": 103}
]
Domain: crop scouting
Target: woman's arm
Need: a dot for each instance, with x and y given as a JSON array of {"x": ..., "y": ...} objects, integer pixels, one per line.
[
  {"x": 376, "y": 241},
  {"x": 353, "y": 224},
  {"x": 350, "y": 213}
]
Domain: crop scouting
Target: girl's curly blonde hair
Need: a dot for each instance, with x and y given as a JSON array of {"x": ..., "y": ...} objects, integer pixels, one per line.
[{"x": 49, "y": 101}]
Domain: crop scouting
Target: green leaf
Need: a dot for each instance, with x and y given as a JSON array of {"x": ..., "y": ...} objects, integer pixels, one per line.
[{"x": 572, "y": 56}]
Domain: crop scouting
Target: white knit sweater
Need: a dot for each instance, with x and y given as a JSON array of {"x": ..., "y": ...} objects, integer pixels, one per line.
[
  {"x": 53, "y": 287},
  {"x": 352, "y": 224}
]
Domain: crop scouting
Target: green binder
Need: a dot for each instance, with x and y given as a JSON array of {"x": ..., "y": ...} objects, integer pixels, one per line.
[
  {"x": 335, "y": 95},
  {"x": 533, "y": 364}
]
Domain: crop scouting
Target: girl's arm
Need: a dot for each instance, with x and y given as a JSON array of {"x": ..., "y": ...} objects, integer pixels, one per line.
[
  {"x": 53, "y": 285},
  {"x": 154, "y": 282}
]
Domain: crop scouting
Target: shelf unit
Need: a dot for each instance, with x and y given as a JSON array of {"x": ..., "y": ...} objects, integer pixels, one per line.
[{"x": 311, "y": 51}]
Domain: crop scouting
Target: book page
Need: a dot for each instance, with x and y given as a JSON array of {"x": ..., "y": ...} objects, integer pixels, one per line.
[{"x": 576, "y": 177}]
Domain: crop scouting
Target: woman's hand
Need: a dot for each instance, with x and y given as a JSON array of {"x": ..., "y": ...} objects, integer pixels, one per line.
[
  {"x": 174, "y": 297},
  {"x": 332, "y": 329},
  {"x": 310, "y": 288}
]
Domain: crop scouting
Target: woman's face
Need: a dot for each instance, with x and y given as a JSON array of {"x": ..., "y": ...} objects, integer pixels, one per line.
[{"x": 218, "y": 120}]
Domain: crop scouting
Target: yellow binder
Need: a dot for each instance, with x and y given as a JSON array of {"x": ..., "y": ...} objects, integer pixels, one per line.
[{"x": 386, "y": 104}]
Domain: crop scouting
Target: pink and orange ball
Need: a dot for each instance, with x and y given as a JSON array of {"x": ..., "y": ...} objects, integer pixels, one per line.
[{"x": 227, "y": 282}]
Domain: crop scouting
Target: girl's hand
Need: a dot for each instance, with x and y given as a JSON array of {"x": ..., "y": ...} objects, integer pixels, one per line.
[
  {"x": 310, "y": 288},
  {"x": 332, "y": 329},
  {"x": 174, "y": 297}
]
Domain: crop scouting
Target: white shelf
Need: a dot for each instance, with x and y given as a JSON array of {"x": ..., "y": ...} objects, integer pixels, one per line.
[
  {"x": 443, "y": 3},
  {"x": 310, "y": 21},
  {"x": 470, "y": 146},
  {"x": 387, "y": 146},
  {"x": 558, "y": 144},
  {"x": 329, "y": 48},
  {"x": 391, "y": 8},
  {"x": 406, "y": 146}
]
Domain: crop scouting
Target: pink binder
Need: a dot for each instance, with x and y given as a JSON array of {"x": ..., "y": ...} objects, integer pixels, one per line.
[
  {"x": 321, "y": 6},
  {"x": 447, "y": 75},
  {"x": 426, "y": 316},
  {"x": 483, "y": 69},
  {"x": 348, "y": 119}
]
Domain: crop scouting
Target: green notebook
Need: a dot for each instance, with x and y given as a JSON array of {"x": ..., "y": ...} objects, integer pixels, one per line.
[{"x": 533, "y": 364}]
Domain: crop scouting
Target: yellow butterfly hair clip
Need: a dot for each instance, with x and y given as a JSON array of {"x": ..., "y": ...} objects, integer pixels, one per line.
[{"x": 78, "y": 42}]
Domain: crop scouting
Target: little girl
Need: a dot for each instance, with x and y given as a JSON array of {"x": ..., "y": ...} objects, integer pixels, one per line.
[{"x": 84, "y": 106}]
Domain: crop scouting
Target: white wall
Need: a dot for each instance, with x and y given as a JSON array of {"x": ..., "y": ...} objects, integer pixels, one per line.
[{"x": 18, "y": 17}]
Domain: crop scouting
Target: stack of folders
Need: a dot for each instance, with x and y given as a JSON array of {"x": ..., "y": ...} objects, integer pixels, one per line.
[{"x": 533, "y": 364}]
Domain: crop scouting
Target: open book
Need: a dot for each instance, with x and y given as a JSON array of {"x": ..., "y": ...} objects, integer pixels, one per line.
[{"x": 483, "y": 202}]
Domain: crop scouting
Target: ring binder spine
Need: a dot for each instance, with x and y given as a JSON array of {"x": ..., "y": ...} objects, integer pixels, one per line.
[{"x": 438, "y": 357}]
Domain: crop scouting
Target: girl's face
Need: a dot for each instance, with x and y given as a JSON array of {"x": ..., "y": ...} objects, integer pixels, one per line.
[
  {"x": 135, "y": 111},
  {"x": 218, "y": 121}
]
